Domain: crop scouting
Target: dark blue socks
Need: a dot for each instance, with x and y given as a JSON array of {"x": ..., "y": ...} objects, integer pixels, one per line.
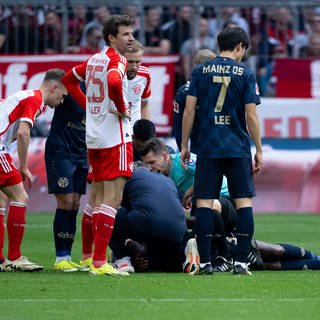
[{"x": 245, "y": 229}]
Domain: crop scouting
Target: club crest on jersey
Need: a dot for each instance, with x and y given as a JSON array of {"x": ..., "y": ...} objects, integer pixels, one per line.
[
  {"x": 137, "y": 88},
  {"x": 175, "y": 107},
  {"x": 63, "y": 182}
]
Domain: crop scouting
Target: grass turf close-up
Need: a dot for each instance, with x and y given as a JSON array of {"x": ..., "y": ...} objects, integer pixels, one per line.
[{"x": 264, "y": 295}]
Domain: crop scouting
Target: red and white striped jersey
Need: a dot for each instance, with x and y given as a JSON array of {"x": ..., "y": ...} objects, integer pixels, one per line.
[
  {"x": 139, "y": 88},
  {"x": 24, "y": 105},
  {"x": 106, "y": 90}
]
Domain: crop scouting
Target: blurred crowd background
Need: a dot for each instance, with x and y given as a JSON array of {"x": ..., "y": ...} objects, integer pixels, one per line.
[{"x": 170, "y": 27}]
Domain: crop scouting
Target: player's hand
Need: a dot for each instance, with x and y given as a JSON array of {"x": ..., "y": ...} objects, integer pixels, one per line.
[
  {"x": 258, "y": 162},
  {"x": 185, "y": 158},
  {"x": 126, "y": 114},
  {"x": 187, "y": 199},
  {"x": 27, "y": 176}
]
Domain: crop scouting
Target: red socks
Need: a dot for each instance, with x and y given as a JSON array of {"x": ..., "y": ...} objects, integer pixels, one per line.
[
  {"x": 2, "y": 212},
  {"x": 87, "y": 233},
  {"x": 103, "y": 231},
  {"x": 15, "y": 225}
]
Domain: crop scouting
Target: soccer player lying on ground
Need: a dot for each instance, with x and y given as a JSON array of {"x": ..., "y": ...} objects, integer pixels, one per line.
[
  {"x": 262, "y": 255},
  {"x": 17, "y": 115}
]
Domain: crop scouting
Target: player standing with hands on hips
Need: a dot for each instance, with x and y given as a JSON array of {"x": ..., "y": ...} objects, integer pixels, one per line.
[
  {"x": 227, "y": 94},
  {"x": 108, "y": 134}
]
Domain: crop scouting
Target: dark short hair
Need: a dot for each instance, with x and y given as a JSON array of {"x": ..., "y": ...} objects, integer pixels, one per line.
[
  {"x": 144, "y": 130},
  {"x": 156, "y": 145},
  {"x": 112, "y": 24},
  {"x": 230, "y": 37},
  {"x": 54, "y": 74}
]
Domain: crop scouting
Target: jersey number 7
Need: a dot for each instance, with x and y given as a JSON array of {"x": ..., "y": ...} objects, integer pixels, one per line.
[{"x": 223, "y": 91}]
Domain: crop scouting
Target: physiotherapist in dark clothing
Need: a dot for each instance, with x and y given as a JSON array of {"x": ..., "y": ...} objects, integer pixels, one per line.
[
  {"x": 151, "y": 213},
  {"x": 67, "y": 170}
]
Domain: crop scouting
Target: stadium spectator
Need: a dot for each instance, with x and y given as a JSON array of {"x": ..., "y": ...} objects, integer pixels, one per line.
[
  {"x": 21, "y": 24},
  {"x": 151, "y": 213},
  {"x": 277, "y": 41},
  {"x": 192, "y": 45},
  {"x": 226, "y": 13},
  {"x": 101, "y": 14},
  {"x": 313, "y": 48},
  {"x": 93, "y": 36},
  {"x": 17, "y": 116},
  {"x": 67, "y": 169},
  {"x": 132, "y": 11},
  {"x": 108, "y": 135},
  {"x": 51, "y": 33},
  {"x": 155, "y": 40},
  {"x": 178, "y": 29},
  {"x": 76, "y": 25},
  {"x": 217, "y": 155}
]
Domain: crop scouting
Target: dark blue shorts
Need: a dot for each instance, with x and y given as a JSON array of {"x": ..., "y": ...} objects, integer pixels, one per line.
[
  {"x": 209, "y": 173},
  {"x": 66, "y": 176}
]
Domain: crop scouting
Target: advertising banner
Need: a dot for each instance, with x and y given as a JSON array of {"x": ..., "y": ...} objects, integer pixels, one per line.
[{"x": 26, "y": 72}]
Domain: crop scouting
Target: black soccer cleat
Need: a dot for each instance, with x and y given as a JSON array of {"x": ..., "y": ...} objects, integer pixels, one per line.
[
  {"x": 221, "y": 264},
  {"x": 207, "y": 270},
  {"x": 238, "y": 270}
]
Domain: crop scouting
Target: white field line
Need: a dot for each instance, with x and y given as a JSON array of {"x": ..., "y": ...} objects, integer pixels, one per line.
[{"x": 166, "y": 300}]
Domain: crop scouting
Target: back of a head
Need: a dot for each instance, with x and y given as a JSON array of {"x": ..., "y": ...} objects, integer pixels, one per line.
[
  {"x": 203, "y": 55},
  {"x": 144, "y": 130},
  {"x": 136, "y": 47},
  {"x": 155, "y": 145},
  {"x": 54, "y": 75},
  {"x": 230, "y": 37},
  {"x": 111, "y": 25}
]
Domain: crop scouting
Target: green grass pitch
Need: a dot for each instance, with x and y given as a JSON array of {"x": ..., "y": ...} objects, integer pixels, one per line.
[{"x": 264, "y": 295}]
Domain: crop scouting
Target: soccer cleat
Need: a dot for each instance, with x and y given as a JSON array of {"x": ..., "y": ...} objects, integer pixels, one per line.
[
  {"x": 78, "y": 266},
  {"x": 85, "y": 264},
  {"x": 192, "y": 261},
  {"x": 241, "y": 271},
  {"x": 206, "y": 270},
  {"x": 3, "y": 265},
  {"x": 65, "y": 266},
  {"x": 221, "y": 264},
  {"x": 124, "y": 264},
  {"x": 106, "y": 270},
  {"x": 22, "y": 264},
  {"x": 254, "y": 257}
]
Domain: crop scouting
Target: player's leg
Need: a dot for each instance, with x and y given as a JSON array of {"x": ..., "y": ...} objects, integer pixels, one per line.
[
  {"x": 241, "y": 187},
  {"x": 60, "y": 183},
  {"x": 3, "y": 209},
  {"x": 16, "y": 222},
  {"x": 207, "y": 188},
  {"x": 79, "y": 188},
  {"x": 111, "y": 168}
]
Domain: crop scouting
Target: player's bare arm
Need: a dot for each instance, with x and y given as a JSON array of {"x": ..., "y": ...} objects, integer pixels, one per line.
[
  {"x": 255, "y": 133},
  {"x": 187, "y": 123},
  {"x": 23, "y": 140},
  {"x": 145, "y": 110}
]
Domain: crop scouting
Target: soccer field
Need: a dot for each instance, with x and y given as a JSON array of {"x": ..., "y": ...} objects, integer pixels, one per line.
[{"x": 264, "y": 295}]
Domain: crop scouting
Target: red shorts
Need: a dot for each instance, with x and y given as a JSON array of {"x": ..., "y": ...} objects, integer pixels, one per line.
[
  {"x": 111, "y": 163},
  {"x": 9, "y": 174},
  {"x": 89, "y": 176}
]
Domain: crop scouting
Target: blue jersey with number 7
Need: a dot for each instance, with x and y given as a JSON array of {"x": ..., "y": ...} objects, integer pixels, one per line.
[{"x": 223, "y": 87}]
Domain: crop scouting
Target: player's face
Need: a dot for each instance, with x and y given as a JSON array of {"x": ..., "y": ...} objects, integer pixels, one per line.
[
  {"x": 134, "y": 61},
  {"x": 57, "y": 94},
  {"x": 157, "y": 163},
  {"x": 124, "y": 39}
]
